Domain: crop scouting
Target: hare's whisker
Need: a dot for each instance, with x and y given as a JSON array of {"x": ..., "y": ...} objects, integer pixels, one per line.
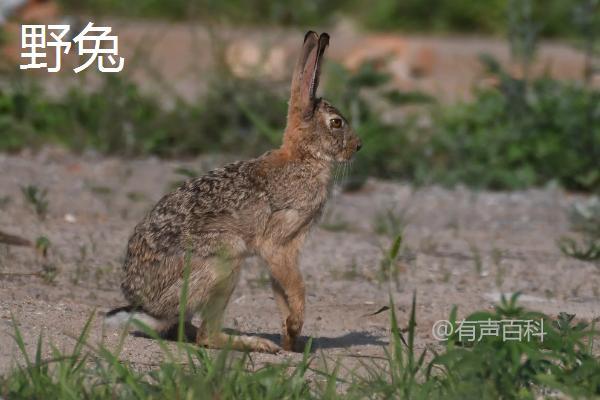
[
  {"x": 334, "y": 177},
  {"x": 337, "y": 174},
  {"x": 345, "y": 176}
]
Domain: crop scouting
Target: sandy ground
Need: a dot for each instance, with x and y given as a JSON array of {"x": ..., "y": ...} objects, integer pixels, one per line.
[{"x": 461, "y": 247}]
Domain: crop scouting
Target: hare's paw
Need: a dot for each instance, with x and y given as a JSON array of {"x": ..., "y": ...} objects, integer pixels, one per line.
[
  {"x": 265, "y": 346},
  {"x": 288, "y": 342},
  {"x": 291, "y": 331}
]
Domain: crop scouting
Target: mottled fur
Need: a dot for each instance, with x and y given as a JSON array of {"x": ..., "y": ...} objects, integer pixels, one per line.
[{"x": 263, "y": 206}]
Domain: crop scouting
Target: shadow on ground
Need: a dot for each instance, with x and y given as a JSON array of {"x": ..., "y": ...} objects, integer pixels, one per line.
[
  {"x": 318, "y": 343},
  {"x": 322, "y": 343}
]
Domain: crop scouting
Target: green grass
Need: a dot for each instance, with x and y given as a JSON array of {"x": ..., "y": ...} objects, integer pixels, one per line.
[
  {"x": 561, "y": 364},
  {"x": 98, "y": 373},
  {"x": 389, "y": 270}
]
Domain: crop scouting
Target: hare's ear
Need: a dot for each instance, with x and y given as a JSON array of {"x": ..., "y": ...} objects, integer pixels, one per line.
[{"x": 306, "y": 75}]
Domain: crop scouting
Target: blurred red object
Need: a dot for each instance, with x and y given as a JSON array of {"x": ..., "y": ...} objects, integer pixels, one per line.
[{"x": 13, "y": 14}]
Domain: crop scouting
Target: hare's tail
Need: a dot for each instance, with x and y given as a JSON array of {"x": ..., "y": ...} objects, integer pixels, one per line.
[{"x": 123, "y": 316}]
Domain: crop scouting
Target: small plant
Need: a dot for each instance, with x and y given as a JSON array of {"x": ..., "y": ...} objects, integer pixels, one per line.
[
  {"x": 81, "y": 270},
  {"x": 585, "y": 219},
  {"x": 477, "y": 260},
  {"x": 42, "y": 244},
  {"x": 589, "y": 250},
  {"x": 49, "y": 273},
  {"x": 389, "y": 270},
  {"x": 37, "y": 198}
]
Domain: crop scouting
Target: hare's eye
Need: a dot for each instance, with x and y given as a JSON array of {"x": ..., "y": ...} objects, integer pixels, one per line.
[{"x": 335, "y": 123}]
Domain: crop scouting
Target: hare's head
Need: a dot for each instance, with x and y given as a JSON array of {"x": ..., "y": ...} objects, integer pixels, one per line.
[{"x": 315, "y": 128}]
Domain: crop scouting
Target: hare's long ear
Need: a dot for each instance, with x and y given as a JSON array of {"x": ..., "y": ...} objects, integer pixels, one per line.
[
  {"x": 306, "y": 75},
  {"x": 310, "y": 42},
  {"x": 313, "y": 68}
]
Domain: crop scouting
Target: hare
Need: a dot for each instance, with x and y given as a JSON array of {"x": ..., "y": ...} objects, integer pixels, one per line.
[{"x": 265, "y": 207}]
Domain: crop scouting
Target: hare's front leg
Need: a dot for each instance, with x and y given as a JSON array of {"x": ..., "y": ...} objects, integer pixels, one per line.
[{"x": 288, "y": 288}]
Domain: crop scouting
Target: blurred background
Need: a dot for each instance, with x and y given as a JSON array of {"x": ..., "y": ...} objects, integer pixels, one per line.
[{"x": 501, "y": 94}]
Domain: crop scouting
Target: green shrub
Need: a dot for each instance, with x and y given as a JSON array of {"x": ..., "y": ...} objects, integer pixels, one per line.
[
  {"x": 549, "y": 132},
  {"x": 238, "y": 116},
  {"x": 513, "y": 369}
]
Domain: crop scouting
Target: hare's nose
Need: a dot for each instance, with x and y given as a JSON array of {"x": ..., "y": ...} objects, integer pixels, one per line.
[{"x": 359, "y": 145}]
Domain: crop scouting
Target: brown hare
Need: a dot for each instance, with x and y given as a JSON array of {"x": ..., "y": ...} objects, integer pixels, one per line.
[{"x": 263, "y": 207}]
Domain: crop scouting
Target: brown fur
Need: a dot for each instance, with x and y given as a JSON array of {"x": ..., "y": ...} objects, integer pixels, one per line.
[{"x": 263, "y": 206}]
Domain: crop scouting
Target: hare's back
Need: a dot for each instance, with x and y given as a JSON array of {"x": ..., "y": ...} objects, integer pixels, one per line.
[
  {"x": 232, "y": 187},
  {"x": 200, "y": 206}
]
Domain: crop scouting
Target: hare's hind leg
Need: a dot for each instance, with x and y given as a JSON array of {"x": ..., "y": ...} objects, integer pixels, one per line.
[{"x": 210, "y": 335}]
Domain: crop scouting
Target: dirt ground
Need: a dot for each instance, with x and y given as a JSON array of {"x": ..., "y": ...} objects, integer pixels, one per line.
[{"x": 461, "y": 247}]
